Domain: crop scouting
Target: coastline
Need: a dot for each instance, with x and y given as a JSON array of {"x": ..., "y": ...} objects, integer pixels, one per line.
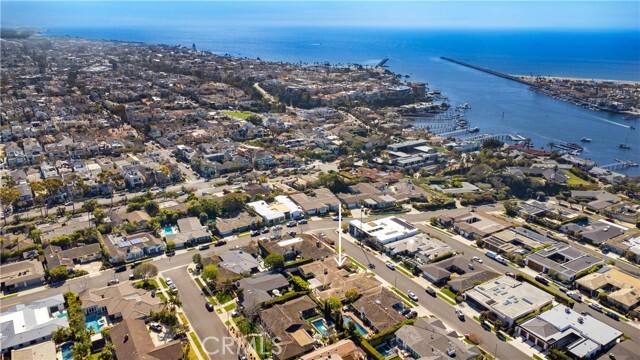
[{"x": 529, "y": 78}]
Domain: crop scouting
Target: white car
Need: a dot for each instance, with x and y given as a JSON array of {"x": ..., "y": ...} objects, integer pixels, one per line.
[
  {"x": 475, "y": 258},
  {"x": 412, "y": 295},
  {"x": 168, "y": 281}
]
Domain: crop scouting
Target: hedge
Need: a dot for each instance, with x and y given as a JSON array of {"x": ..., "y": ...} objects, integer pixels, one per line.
[
  {"x": 588, "y": 271},
  {"x": 433, "y": 206},
  {"x": 560, "y": 298},
  {"x": 383, "y": 335},
  {"x": 298, "y": 263},
  {"x": 371, "y": 351},
  {"x": 446, "y": 255},
  {"x": 284, "y": 298}
]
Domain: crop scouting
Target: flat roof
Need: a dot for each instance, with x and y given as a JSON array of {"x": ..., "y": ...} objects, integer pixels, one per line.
[
  {"x": 509, "y": 297},
  {"x": 387, "y": 229}
]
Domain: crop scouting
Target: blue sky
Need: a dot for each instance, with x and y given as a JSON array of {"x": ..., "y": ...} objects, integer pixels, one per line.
[{"x": 400, "y": 14}]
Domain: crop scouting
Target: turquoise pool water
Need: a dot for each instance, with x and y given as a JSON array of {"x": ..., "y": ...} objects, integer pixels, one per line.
[
  {"x": 67, "y": 351},
  {"x": 384, "y": 350},
  {"x": 93, "y": 322},
  {"x": 346, "y": 319},
  {"x": 322, "y": 326},
  {"x": 167, "y": 231}
]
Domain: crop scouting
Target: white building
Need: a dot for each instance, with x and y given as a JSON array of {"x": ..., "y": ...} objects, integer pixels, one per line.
[
  {"x": 281, "y": 209},
  {"x": 22, "y": 326},
  {"x": 383, "y": 231},
  {"x": 508, "y": 299}
]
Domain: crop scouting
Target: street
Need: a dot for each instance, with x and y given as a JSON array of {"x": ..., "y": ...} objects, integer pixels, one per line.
[{"x": 211, "y": 331}]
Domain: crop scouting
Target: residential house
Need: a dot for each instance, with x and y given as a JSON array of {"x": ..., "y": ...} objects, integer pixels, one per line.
[
  {"x": 127, "y": 248},
  {"x": 21, "y": 275},
  {"x": 242, "y": 222},
  {"x": 287, "y": 325},
  {"x": 622, "y": 290},
  {"x": 421, "y": 246},
  {"x": 260, "y": 288},
  {"x": 473, "y": 225},
  {"x": 564, "y": 260},
  {"x": 132, "y": 341},
  {"x": 379, "y": 309},
  {"x": 368, "y": 195},
  {"x": 120, "y": 302},
  {"x": 626, "y": 245},
  {"x": 24, "y": 325},
  {"x": 382, "y": 231},
  {"x": 428, "y": 338},
  {"x": 508, "y": 299},
  {"x": 342, "y": 350},
  {"x": 42, "y": 351},
  {"x": 578, "y": 336},
  {"x": 239, "y": 262},
  {"x": 597, "y": 200},
  {"x": 516, "y": 240},
  {"x": 191, "y": 232},
  {"x": 327, "y": 279},
  {"x": 303, "y": 247},
  {"x": 320, "y": 201},
  {"x": 54, "y": 255}
]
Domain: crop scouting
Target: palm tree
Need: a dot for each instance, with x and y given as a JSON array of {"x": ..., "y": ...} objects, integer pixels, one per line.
[
  {"x": 37, "y": 187},
  {"x": 551, "y": 145},
  {"x": 105, "y": 178}
]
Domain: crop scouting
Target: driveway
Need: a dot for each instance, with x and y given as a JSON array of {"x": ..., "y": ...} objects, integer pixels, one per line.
[{"x": 210, "y": 329}]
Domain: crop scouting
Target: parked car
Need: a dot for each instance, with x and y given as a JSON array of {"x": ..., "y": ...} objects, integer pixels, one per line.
[
  {"x": 412, "y": 315},
  {"x": 277, "y": 227},
  {"x": 412, "y": 295},
  {"x": 596, "y": 307},
  {"x": 168, "y": 281},
  {"x": 203, "y": 247},
  {"x": 120, "y": 268},
  {"x": 431, "y": 292},
  {"x": 510, "y": 274},
  {"x": 405, "y": 311},
  {"x": 391, "y": 266},
  {"x": 220, "y": 243},
  {"x": 235, "y": 313},
  {"x": 173, "y": 288},
  {"x": 155, "y": 327},
  {"x": 563, "y": 289},
  {"x": 613, "y": 315},
  {"x": 255, "y": 232},
  {"x": 335, "y": 218},
  {"x": 475, "y": 258},
  {"x": 471, "y": 267},
  {"x": 292, "y": 224},
  {"x": 542, "y": 280},
  {"x": 113, "y": 282},
  {"x": 265, "y": 230},
  {"x": 460, "y": 315},
  {"x": 209, "y": 306},
  {"x": 292, "y": 233},
  {"x": 302, "y": 222}
]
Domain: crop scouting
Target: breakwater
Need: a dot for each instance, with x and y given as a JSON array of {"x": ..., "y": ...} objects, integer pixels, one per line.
[{"x": 488, "y": 71}]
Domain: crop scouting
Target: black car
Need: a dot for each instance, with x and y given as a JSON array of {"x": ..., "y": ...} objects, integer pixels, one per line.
[
  {"x": 612, "y": 315},
  {"x": 292, "y": 224},
  {"x": 412, "y": 315},
  {"x": 291, "y": 233},
  {"x": 203, "y": 247},
  {"x": 209, "y": 306},
  {"x": 302, "y": 222},
  {"x": 431, "y": 292},
  {"x": 406, "y": 311},
  {"x": 120, "y": 268},
  {"x": 255, "y": 233}
]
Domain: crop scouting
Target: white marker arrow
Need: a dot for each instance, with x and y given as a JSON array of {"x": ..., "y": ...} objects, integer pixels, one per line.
[{"x": 340, "y": 259}]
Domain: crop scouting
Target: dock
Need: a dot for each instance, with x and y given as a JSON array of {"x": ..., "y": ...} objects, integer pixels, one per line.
[
  {"x": 619, "y": 165},
  {"x": 485, "y": 70}
]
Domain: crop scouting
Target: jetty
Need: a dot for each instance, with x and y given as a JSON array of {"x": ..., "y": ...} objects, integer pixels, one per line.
[
  {"x": 619, "y": 165},
  {"x": 488, "y": 71},
  {"x": 382, "y": 62}
]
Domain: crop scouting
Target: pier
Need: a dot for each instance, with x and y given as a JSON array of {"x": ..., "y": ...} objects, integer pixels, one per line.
[
  {"x": 619, "y": 165},
  {"x": 488, "y": 71}
]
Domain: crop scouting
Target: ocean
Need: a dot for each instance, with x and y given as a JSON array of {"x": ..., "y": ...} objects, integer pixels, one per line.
[{"x": 498, "y": 105}]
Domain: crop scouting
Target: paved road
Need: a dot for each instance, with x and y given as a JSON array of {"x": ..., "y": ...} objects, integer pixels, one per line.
[{"x": 210, "y": 329}]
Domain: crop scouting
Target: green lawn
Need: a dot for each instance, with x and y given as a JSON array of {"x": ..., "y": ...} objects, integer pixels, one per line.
[
  {"x": 164, "y": 283},
  {"x": 8, "y": 296},
  {"x": 262, "y": 346},
  {"x": 449, "y": 293},
  {"x": 574, "y": 181},
  {"x": 183, "y": 318},
  {"x": 150, "y": 284},
  {"x": 161, "y": 296},
  {"x": 358, "y": 264},
  {"x": 238, "y": 114},
  {"x": 231, "y": 306},
  {"x": 245, "y": 326},
  {"x": 223, "y": 297},
  {"x": 446, "y": 298},
  {"x": 195, "y": 340}
]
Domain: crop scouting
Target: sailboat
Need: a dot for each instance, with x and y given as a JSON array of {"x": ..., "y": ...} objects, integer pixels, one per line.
[{"x": 624, "y": 145}]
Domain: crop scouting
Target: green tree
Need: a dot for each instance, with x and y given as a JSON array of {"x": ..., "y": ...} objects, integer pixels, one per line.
[
  {"x": 152, "y": 208},
  {"x": 274, "y": 261},
  {"x": 209, "y": 273},
  {"x": 8, "y": 196},
  {"x": 433, "y": 221},
  {"x": 232, "y": 203},
  {"x": 352, "y": 295},
  {"x": 89, "y": 205},
  {"x": 171, "y": 245},
  {"x": 334, "y": 303},
  {"x": 145, "y": 271},
  {"x": 197, "y": 258},
  {"x": 59, "y": 273}
]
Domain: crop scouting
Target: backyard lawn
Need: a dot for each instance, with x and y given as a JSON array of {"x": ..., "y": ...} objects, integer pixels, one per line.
[{"x": 238, "y": 114}]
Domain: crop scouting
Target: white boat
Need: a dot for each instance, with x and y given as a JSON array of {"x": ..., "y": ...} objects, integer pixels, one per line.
[{"x": 585, "y": 139}]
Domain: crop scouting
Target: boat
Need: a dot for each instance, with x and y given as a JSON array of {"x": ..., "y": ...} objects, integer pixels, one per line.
[
  {"x": 585, "y": 139},
  {"x": 632, "y": 127},
  {"x": 624, "y": 146}
]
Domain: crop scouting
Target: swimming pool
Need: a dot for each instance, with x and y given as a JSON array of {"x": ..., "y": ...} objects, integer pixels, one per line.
[
  {"x": 169, "y": 230},
  {"x": 385, "y": 350},
  {"x": 95, "y": 322},
  {"x": 67, "y": 351},
  {"x": 322, "y": 326},
  {"x": 346, "y": 319}
]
